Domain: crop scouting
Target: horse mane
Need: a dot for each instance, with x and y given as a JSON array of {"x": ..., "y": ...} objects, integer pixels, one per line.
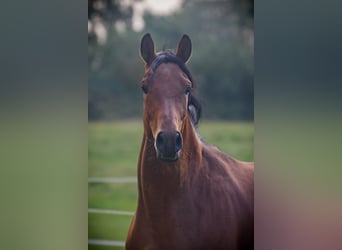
[{"x": 194, "y": 105}]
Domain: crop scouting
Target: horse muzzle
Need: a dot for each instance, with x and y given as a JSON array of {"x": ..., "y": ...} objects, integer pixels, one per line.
[{"x": 168, "y": 146}]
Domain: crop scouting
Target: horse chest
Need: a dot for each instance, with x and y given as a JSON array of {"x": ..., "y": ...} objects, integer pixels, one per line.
[{"x": 191, "y": 223}]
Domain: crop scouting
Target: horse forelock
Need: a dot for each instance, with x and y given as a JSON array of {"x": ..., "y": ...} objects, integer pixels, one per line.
[{"x": 168, "y": 56}]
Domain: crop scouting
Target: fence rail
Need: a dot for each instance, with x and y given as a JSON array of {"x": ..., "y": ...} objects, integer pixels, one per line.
[
  {"x": 113, "y": 243},
  {"x": 108, "y": 211}
]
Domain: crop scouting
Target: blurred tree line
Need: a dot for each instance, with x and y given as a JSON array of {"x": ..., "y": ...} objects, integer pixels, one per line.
[{"x": 222, "y": 34}]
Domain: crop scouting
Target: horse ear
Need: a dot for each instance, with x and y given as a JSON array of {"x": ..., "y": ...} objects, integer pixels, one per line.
[
  {"x": 184, "y": 48},
  {"x": 147, "y": 49}
]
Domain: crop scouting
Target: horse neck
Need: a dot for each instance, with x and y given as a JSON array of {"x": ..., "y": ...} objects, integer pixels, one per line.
[
  {"x": 191, "y": 157},
  {"x": 169, "y": 178}
]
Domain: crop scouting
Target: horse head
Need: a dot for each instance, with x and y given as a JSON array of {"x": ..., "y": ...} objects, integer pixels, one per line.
[{"x": 168, "y": 102}]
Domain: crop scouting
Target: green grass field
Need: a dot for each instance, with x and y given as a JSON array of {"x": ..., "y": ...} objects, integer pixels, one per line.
[{"x": 113, "y": 150}]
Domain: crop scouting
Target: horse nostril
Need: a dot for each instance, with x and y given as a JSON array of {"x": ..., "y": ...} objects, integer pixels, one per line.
[
  {"x": 160, "y": 140},
  {"x": 178, "y": 141},
  {"x": 168, "y": 144}
]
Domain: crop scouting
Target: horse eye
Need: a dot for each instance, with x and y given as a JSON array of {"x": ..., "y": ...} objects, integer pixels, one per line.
[
  {"x": 187, "y": 89},
  {"x": 144, "y": 89}
]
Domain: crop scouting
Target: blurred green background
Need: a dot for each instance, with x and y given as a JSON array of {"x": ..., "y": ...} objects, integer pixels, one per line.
[{"x": 222, "y": 34}]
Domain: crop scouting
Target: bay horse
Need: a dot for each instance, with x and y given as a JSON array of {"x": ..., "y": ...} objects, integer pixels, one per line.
[{"x": 190, "y": 195}]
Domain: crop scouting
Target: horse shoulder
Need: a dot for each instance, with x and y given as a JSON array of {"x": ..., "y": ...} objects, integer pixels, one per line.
[
  {"x": 230, "y": 187},
  {"x": 230, "y": 179}
]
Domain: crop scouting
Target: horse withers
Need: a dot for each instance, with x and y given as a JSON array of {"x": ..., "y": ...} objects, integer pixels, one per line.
[{"x": 190, "y": 195}]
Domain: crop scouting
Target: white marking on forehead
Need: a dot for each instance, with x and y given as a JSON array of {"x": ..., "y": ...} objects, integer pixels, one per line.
[{"x": 167, "y": 108}]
